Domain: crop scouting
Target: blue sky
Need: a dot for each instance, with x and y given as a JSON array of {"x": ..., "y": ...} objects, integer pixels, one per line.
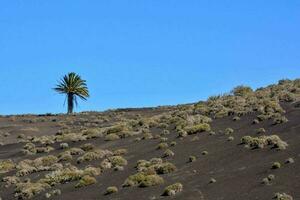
[{"x": 137, "y": 53}]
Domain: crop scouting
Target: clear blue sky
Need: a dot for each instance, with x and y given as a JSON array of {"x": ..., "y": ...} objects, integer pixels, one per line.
[{"x": 142, "y": 52}]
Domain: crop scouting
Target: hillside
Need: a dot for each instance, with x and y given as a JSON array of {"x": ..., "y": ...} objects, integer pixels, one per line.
[{"x": 243, "y": 145}]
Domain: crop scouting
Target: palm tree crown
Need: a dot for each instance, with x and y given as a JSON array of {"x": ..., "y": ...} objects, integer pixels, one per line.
[{"x": 73, "y": 86}]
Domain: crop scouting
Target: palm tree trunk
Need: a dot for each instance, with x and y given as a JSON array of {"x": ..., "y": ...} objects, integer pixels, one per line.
[{"x": 70, "y": 103}]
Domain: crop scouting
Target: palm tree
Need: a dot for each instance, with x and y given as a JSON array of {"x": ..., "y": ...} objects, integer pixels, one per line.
[{"x": 72, "y": 86}]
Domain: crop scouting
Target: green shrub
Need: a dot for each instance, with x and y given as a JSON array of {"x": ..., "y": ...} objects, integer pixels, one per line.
[
  {"x": 168, "y": 153},
  {"x": 182, "y": 133},
  {"x": 172, "y": 144},
  {"x": 276, "y": 165},
  {"x": 262, "y": 141},
  {"x": 143, "y": 180},
  {"x": 162, "y": 145},
  {"x": 64, "y": 145},
  {"x": 6, "y": 166},
  {"x": 289, "y": 161},
  {"x": 282, "y": 196},
  {"x": 87, "y": 147},
  {"x": 120, "y": 152},
  {"x": 172, "y": 190},
  {"x": 212, "y": 180},
  {"x": 192, "y": 158},
  {"x": 236, "y": 118},
  {"x": 228, "y": 131},
  {"x": 111, "y": 190},
  {"x": 117, "y": 161},
  {"x": 28, "y": 190},
  {"x": 151, "y": 180},
  {"x": 280, "y": 120},
  {"x": 197, "y": 128},
  {"x": 242, "y": 90},
  {"x": 260, "y": 131},
  {"x": 111, "y": 137},
  {"x": 86, "y": 181}
]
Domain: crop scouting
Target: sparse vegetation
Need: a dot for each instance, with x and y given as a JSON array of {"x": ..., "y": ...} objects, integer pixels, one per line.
[
  {"x": 262, "y": 141},
  {"x": 111, "y": 190},
  {"x": 197, "y": 128},
  {"x": 276, "y": 165},
  {"x": 86, "y": 181},
  {"x": 282, "y": 196},
  {"x": 172, "y": 190}
]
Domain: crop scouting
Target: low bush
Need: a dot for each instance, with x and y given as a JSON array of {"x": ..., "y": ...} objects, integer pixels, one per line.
[
  {"x": 172, "y": 190},
  {"x": 282, "y": 196},
  {"x": 117, "y": 161},
  {"x": 111, "y": 190},
  {"x": 276, "y": 165},
  {"x": 197, "y": 128},
  {"x": 6, "y": 166},
  {"x": 168, "y": 153},
  {"x": 262, "y": 141},
  {"x": 112, "y": 137},
  {"x": 86, "y": 181}
]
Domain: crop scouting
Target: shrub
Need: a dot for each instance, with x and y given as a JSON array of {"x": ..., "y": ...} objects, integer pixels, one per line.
[
  {"x": 212, "y": 180},
  {"x": 268, "y": 179},
  {"x": 65, "y": 156},
  {"x": 52, "y": 193},
  {"x": 10, "y": 180},
  {"x": 260, "y": 131},
  {"x": 76, "y": 151},
  {"x": 162, "y": 145},
  {"x": 117, "y": 161},
  {"x": 165, "y": 132},
  {"x": 111, "y": 190},
  {"x": 282, "y": 196},
  {"x": 87, "y": 147},
  {"x": 143, "y": 180},
  {"x": 92, "y": 133},
  {"x": 93, "y": 155},
  {"x": 280, "y": 120},
  {"x": 164, "y": 139},
  {"x": 151, "y": 180},
  {"x": 182, "y": 133},
  {"x": 242, "y": 90},
  {"x": 86, "y": 181},
  {"x": 172, "y": 190},
  {"x": 262, "y": 141},
  {"x": 28, "y": 190},
  {"x": 64, "y": 145},
  {"x": 111, "y": 137},
  {"x": 168, "y": 153},
  {"x": 195, "y": 138},
  {"x": 6, "y": 166},
  {"x": 276, "y": 165},
  {"x": 197, "y": 128},
  {"x": 265, "y": 181},
  {"x": 172, "y": 144},
  {"x": 147, "y": 136},
  {"x": 228, "y": 131},
  {"x": 164, "y": 168},
  {"x": 192, "y": 158},
  {"x": 230, "y": 138},
  {"x": 120, "y": 152},
  {"x": 236, "y": 118},
  {"x": 289, "y": 161}
]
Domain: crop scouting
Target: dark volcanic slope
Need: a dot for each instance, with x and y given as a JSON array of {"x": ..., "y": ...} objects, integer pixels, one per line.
[
  {"x": 237, "y": 170},
  {"x": 33, "y": 162}
]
